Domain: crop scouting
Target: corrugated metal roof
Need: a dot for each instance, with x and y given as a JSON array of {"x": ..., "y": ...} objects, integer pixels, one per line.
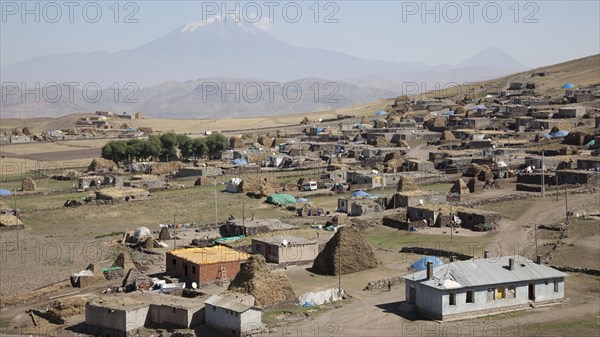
[{"x": 478, "y": 272}]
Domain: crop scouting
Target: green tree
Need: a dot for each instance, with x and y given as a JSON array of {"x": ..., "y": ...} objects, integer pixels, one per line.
[
  {"x": 115, "y": 150},
  {"x": 168, "y": 143},
  {"x": 216, "y": 143},
  {"x": 199, "y": 146}
]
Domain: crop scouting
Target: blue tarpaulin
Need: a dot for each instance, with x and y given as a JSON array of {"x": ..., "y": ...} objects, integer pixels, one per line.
[
  {"x": 240, "y": 162},
  {"x": 302, "y": 200},
  {"x": 380, "y": 113},
  {"x": 422, "y": 263},
  {"x": 360, "y": 194},
  {"x": 568, "y": 86},
  {"x": 4, "y": 192},
  {"x": 448, "y": 113},
  {"x": 557, "y": 134}
]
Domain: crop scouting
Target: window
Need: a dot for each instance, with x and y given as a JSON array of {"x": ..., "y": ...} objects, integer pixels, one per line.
[
  {"x": 452, "y": 299},
  {"x": 174, "y": 262},
  {"x": 214, "y": 308},
  {"x": 237, "y": 314},
  {"x": 470, "y": 296},
  {"x": 491, "y": 294},
  {"x": 546, "y": 282},
  {"x": 556, "y": 286},
  {"x": 512, "y": 292},
  {"x": 193, "y": 269},
  {"x": 501, "y": 293}
]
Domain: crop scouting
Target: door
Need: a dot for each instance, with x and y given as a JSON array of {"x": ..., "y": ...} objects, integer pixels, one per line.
[
  {"x": 413, "y": 296},
  {"x": 531, "y": 291},
  {"x": 185, "y": 269},
  {"x": 268, "y": 251}
]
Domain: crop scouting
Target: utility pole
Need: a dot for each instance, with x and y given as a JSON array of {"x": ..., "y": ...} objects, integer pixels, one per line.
[
  {"x": 536, "y": 241},
  {"x": 566, "y": 205},
  {"x": 174, "y": 234},
  {"x": 340, "y": 267},
  {"x": 543, "y": 185},
  {"x": 216, "y": 210}
]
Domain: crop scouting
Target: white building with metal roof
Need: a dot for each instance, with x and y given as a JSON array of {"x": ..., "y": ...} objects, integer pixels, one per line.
[
  {"x": 235, "y": 316},
  {"x": 482, "y": 286}
]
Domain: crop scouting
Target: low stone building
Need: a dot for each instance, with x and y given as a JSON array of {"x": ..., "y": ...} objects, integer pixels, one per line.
[
  {"x": 233, "y": 315},
  {"x": 480, "y": 287},
  {"x": 286, "y": 250},
  {"x": 415, "y": 198},
  {"x": 250, "y": 227}
]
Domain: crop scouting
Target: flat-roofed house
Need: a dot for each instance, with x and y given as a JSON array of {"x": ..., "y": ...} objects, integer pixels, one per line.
[
  {"x": 286, "y": 250},
  {"x": 235, "y": 316},
  {"x": 205, "y": 265}
]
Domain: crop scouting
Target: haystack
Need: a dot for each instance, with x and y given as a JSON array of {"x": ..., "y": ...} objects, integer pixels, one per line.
[
  {"x": 460, "y": 187},
  {"x": 264, "y": 140},
  {"x": 340, "y": 219},
  {"x": 380, "y": 123},
  {"x": 250, "y": 137},
  {"x": 364, "y": 120},
  {"x": 407, "y": 184},
  {"x": 124, "y": 261},
  {"x": 434, "y": 124},
  {"x": 124, "y": 126},
  {"x": 448, "y": 135},
  {"x": 100, "y": 164},
  {"x": 475, "y": 186},
  {"x": 236, "y": 142},
  {"x": 164, "y": 234},
  {"x": 402, "y": 143},
  {"x": 268, "y": 288},
  {"x": 380, "y": 142},
  {"x": 138, "y": 115},
  {"x": 257, "y": 187},
  {"x": 355, "y": 252},
  {"x": 7, "y": 220},
  {"x": 17, "y": 132},
  {"x": 277, "y": 141},
  {"x": 577, "y": 138},
  {"x": 27, "y": 131},
  {"x": 482, "y": 172},
  {"x": 304, "y": 121},
  {"x": 28, "y": 184},
  {"x": 394, "y": 165},
  {"x": 64, "y": 308},
  {"x": 204, "y": 181},
  {"x": 460, "y": 110}
]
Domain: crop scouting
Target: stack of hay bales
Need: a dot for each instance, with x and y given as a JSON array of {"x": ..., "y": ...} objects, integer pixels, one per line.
[
  {"x": 17, "y": 132},
  {"x": 270, "y": 289},
  {"x": 236, "y": 142},
  {"x": 355, "y": 252},
  {"x": 27, "y": 131},
  {"x": 28, "y": 185},
  {"x": 304, "y": 121},
  {"x": 251, "y": 137},
  {"x": 435, "y": 124},
  {"x": 577, "y": 138},
  {"x": 407, "y": 184},
  {"x": 364, "y": 120},
  {"x": 124, "y": 261},
  {"x": 164, "y": 234},
  {"x": 64, "y": 308},
  {"x": 7, "y": 220},
  {"x": 402, "y": 143},
  {"x": 460, "y": 187},
  {"x": 72, "y": 131},
  {"x": 460, "y": 110},
  {"x": 277, "y": 141},
  {"x": 482, "y": 172},
  {"x": 101, "y": 164},
  {"x": 138, "y": 115},
  {"x": 380, "y": 124},
  {"x": 257, "y": 187}
]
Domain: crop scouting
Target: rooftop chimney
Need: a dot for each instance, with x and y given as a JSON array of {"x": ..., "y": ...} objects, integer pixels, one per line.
[
  {"x": 429, "y": 270},
  {"x": 452, "y": 258},
  {"x": 511, "y": 264},
  {"x": 539, "y": 259},
  {"x": 486, "y": 254}
]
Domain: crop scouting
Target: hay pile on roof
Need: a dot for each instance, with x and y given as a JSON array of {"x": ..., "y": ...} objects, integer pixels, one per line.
[
  {"x": 236, "y": 142},
  {"x": 7, "y": 220},
  {"x": 204, "y": 181},
  {"x": 355, "y": 252},
  {"x": 264, "y": 140},
  {"x": 460, "y": 187},
  {"x": 448, "y": 135},
  {"x": 28, "y": 184},
  {"x": 268, "y": 288},
  {"x": 121, "y": 194},
  {"x": 165, "y": 168},
  {"x": 407, "y": 184},
  {"x": 257, "y": 187},
  {"x": 101, "y": 164}
]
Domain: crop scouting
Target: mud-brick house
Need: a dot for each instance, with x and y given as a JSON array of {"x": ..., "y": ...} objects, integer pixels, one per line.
[
  {"x": 205, "y": 265},
  {"x": 286, "y": 250}
]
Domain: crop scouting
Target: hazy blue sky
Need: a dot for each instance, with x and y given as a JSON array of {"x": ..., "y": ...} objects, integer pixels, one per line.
[{"x": 545, "y": 32}]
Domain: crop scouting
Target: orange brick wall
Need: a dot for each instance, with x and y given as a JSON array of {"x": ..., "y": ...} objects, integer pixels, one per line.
[{"x": 204, "y": 273}]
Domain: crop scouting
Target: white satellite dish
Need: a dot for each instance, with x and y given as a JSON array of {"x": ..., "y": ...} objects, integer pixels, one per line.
[
  {"x": 194, "y": 285},
  {"x": 285, "y": 242},
  {"x": 421, "y": 202}
]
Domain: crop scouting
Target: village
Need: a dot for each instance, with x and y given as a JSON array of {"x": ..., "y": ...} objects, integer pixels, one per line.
[{"x": 467, "y": 209}]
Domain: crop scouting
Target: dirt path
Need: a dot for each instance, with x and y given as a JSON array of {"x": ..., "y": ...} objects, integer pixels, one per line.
[{"x": 519, "y": 234}]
